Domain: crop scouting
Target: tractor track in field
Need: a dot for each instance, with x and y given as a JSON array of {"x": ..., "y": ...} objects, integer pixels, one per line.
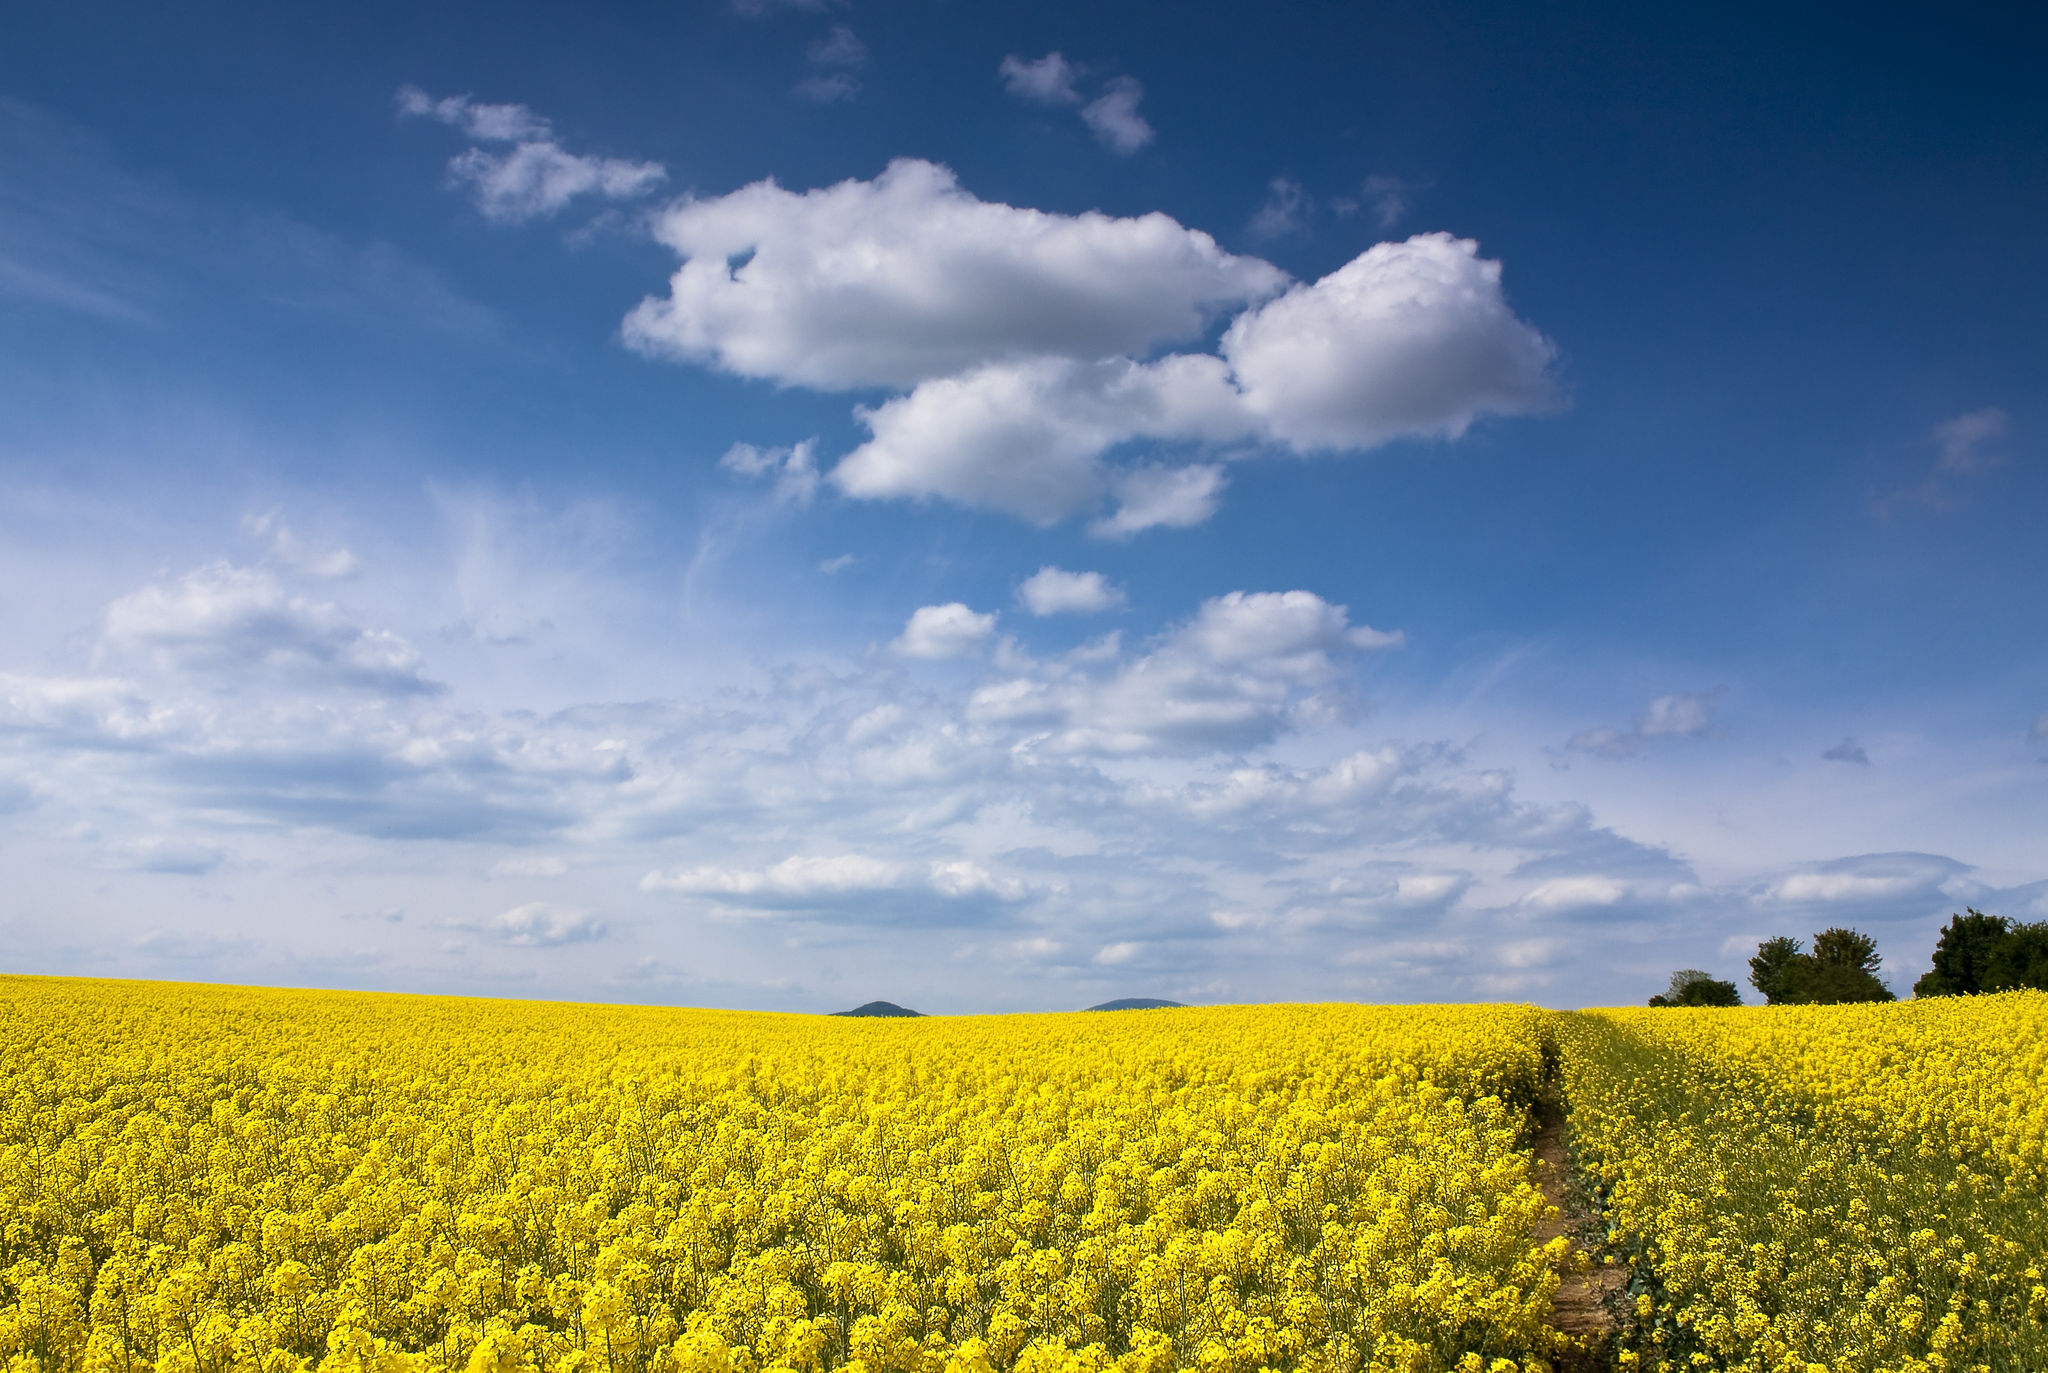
[{"x": 1583, "y": 1306}]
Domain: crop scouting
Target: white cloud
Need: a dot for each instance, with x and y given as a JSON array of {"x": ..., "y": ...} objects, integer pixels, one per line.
[
  {"x": 1407, "y": 339},
  {"x": 1284, "y": 212},
  {"x": 1410, "y": 338},
  {"x": 1685, "y": 714},
  {"x": 828, "y": 88},
  {"x": 1163, "y": 498},
  {"x": 907, "y": 277},
  {"x": 1114, "y": 117},
  {"x": 809, "y": 880},
  {"x": 225, "y": 619},
  {"x": 541, "y": 925},
  {"x": 1048, "y": 80},
  {"x": 794, "y": 469},
  {"x": 534, "y": 177},
  {"x": 1027, "y": 437},
  {"x": 1961, "y": 442},
  {"x": 1574, "y": 893},
  {"x": 1056, "y": 591},
  {"x": 1877, "y": 886},
  {"x": 944, "y": 631},
  {"x": 1962, "y": 448},
  {"x": 1387, "y": 197},
  {"x": 839, "y": 48},
  {"x": 1246, "y": 669},
  {"x": 1121, "y": 952},
  {"x": 333, "y": 563}
]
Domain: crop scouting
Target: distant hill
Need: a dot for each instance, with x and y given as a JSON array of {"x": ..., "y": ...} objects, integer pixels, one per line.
[
  {"x": 1139, "y": 1003},
  {"x": 880, "y": 1008}
]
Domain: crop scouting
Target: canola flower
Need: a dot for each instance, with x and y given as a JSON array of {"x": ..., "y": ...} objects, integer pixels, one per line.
[
  {"x": 220, "y": 1180},
  {"x": 1823, "y": 1188}
]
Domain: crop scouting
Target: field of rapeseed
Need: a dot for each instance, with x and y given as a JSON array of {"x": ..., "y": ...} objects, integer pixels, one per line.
[
  {"x": 1840, "y": 1187},
  {"x": 218, "y": 1180}
]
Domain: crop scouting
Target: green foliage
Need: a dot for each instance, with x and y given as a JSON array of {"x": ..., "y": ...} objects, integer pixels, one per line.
[
  {"x": 1774, "y": 970},
  {"x": 1841, "y": 968},
  {"x": 1986, "y": 953},
  {"x": 1691, "y": 987}
]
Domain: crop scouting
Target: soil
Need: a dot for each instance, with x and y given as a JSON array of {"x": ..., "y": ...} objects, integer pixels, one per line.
[{"x": 1582, "y": 1307}]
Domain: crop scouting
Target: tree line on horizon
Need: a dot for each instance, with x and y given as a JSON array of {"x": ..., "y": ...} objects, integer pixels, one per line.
[{"x": 1976, "y": 953}]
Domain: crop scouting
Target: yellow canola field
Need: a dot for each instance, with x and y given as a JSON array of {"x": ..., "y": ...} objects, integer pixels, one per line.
[
  {"x": 217, "y": 1180},
  {"x": 1824, "y": 1188}
]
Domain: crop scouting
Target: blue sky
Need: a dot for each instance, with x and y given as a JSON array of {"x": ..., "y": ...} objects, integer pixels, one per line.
[{"x": 779, "y": 504}]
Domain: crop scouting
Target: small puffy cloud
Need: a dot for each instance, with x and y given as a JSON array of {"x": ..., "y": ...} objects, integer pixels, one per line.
[
  {"x": 1113, "y": 116},
  {"x": 1962, "y": 447},
  {"x": 1848, "y": 751},
  {"x": 1385, "y": 198},
  {"x": 793, "y": 469},
  {"x": 1123, "y": 951},
  {"x": 534, "y": 177},
  {"x": 1048, "y": 80},
  {"x": 1575, "y": 893},
  {"x": 1291, "y": 633},
  {"x": 1027, "y": 438},
  {"x": 332, "y": 563},
  {"x": 907, "y": 277},
  {"x": 228, "y": 620},
  {"x": 811, "y": 881},
  {"x": 836, "y": 57},
  {"x": 1407, "y": 339},
  {"x": 1284, "y": 212},
  {"x": 539, "y": 924},
  {"x": 1685, "y": 714},
  {"x": 944, "y": 631},
  {"x": 486, "y": 122},
  {"x": 1245, "y": 670},
  {"x": 1163, "y": 498},
  {"x": 832, "y": 567},
  {"x": 1875, "y": 886},
  {"x": 1056, "y": 591},
  {"x": 1960, "y": 443}
]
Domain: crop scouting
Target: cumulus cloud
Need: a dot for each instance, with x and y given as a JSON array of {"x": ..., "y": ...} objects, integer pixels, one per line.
[
  {"x": 1158, "y": 497},
  {"x": 793, "y": 470},
  {"x": 1027, "y": 438},
  {"x": 1244, "y": 670},
  {"x": 1411, "y": 339},
  {"x": 1406, "y": 339},
  {"x": 223, "y": 619},
  {"x": 907, "y": 277},
  {"x": 1114, "y": 119},
  {"x": 1963, "y": 446},
  {"x": 836, "y": 57},
  {"x": 329, "y": 563},
  {"x": 944, "y": 631},
  {"x": 1056, "y": 591},
  {"x": 535, "y": 176},
  {"x": 1284, "y": 212},
  {"x": 1685, "y": 714},
  {"x": 1875, "y": 886},
  {"x": 538, "y": 924},
  {"x": 1024, "y": 342},
  {"x": 1048, "y": 80},
  {"x": 809, "y": 882}
]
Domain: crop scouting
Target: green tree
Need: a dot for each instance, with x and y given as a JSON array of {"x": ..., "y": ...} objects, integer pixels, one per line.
[
  {"x": 1962, "y": 956},
  {"x": 1777, "y": 970},
  {"x": 2019, "y": 960},
  {"x": 1844, "y": 969},
  {"x": 1691, "y": 987}
]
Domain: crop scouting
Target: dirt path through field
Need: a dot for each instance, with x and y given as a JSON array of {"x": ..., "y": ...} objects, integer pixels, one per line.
[{"x": 1580, "y": 1308}]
